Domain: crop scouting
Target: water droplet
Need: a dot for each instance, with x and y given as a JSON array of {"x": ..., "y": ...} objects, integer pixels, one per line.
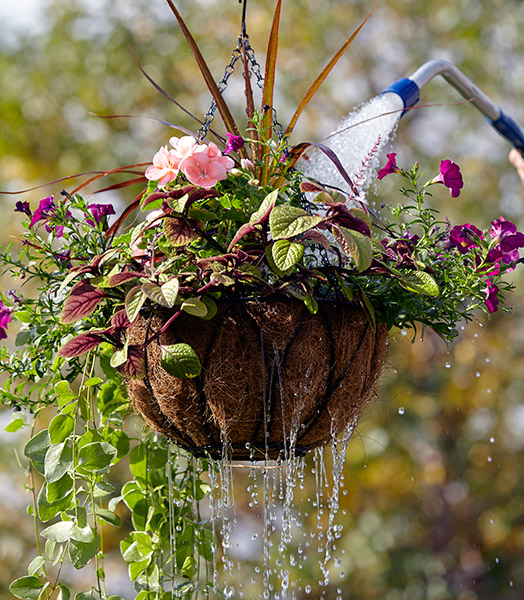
[
  {"x": 403, "y": 332},
  {"x": 491, "y": 521},
  {"x": 492, "y": 440},
  {"x": 401, "y": 410},
  {"x": 477, "y": 374},
  {"x": 487, "y": 360},
  {"x": 489, "y": 459},
  {"x": 307, "y": 589},
  {"x": 448, "y": 365}
]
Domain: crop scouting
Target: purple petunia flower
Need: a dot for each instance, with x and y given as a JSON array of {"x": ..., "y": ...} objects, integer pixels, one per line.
[
  {"x": 401, "y": 251},
  {"x": 23, "y": 207},
  {"x": 391, "y": 166},
  {"x": 492, "y": 301},
  {"x": 234, "y": 143},
  {"x": 508, "y": 241},
  {"x": 12, "y": 295},
  {"x": 99, "y": 211},
  {"x": 464, "y": 237},
  {"x": 450, "y": 176},
  {"x": 5, "y": 319}
]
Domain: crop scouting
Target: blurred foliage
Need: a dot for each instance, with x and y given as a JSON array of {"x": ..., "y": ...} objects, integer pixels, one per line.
[{"x": 435, "y": 479}]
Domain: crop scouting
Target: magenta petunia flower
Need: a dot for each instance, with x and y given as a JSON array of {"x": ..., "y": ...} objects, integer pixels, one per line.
[
  {"x": 234, "y": 143},
  {"x": 391, "y": 166},
  {"x": 492, "y": 301},
  {"x": 464, "y": 237},
  {"x": 5, "y": 319},
  {"x": 99, "y": 211},
  {"x": 450, "y": 176},
  {"x": 508, "y": 241},
  {"x": 45, "y": 209}
]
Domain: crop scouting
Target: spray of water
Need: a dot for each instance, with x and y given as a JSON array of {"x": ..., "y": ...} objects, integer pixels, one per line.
[{"x": 357, "y": 142}]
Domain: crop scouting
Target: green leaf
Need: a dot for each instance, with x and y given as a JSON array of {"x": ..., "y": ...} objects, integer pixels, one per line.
[
  {"x": 59, "y": 532},
  {"x": 195, "y": 307},
  {"x": 17, "y": 422},
  {"x": 170, "y": 291},
  {"x": 211, "y": 307},
  {"x": 108, "y": 516},
  {"x": 84, "y": 596},
  {"x": 120, "y": 440},
  {"x": 311, "y": 304},
  {"x": 286, "y": 221},
  {"x": 64, "y": 593},
  {"x": 119, "y": 357},
  {"x": 58, "y": 461},
  {"x": 346, "y": 289},
  {"x": 134, "y": 301},
  {"x": 83, "y": 534},
  {"x": 286, "y": 254},
  {"x": 60, "y": 428},
  {"x": 47, "y": 510},
  {"x": 36, "y": 565},
  {"x": 64, "y": 392},
  {"x": 265, "y": 208},
  {"x": 356, "y": 245},
  {"x": 59, "y": 489},
  {"x": 180, "y": 360},
  {"x": 37, "y": 446},
  {"x": 137, "y": 568},
  {"x": 27, "y": 587},
  {"x": 419, "y": 282},
  {"x": 96, "y": 456},
  {"x": 81, "y": 553}
]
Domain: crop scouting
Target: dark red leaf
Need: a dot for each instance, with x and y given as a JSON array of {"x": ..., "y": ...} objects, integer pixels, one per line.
[
  {"x": 135, "y": 364},
  {"x": 119, "y": 278},
  {"x": 120, "y": 320},
  {"x": 243, "y": 231},
  {"x": 81, "y": 302},
  {"x": 154, "y": 196},
  {"x": 80, "y": 345}
]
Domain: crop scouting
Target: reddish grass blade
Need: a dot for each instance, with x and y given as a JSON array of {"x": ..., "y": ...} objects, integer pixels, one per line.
[
  {"x": 324, "y": 73},
  {"x": 225, "y": 113}
]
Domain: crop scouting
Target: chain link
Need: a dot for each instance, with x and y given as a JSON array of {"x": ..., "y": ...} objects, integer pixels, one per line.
[{"x": 253, "y": 68}]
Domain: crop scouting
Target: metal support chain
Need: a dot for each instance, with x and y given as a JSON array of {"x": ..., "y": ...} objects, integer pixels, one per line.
[{"x": 254, "y": 69}]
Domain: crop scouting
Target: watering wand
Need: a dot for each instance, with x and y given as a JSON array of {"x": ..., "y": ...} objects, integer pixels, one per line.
[{"x": 409, "y": 91}]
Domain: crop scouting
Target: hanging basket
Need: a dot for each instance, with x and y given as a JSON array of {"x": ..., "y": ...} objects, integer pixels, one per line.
[{"x": 271, "y": 372}]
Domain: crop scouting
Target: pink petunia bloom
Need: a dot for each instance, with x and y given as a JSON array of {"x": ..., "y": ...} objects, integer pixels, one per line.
[
  {"x": 202, "y": 170},
  {"x": 391, "y": 166},
  {"x": 165, "y": 167},
  {"x": 450, "y": 176},
  {"x": 492, "y": 301}
]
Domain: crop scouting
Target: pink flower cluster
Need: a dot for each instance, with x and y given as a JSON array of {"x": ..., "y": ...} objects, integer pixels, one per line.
[{"x": 203, "y": 164}]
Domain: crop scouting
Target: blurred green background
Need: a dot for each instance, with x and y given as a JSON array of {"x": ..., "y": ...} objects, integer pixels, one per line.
[{"x": 435, "y": 472}]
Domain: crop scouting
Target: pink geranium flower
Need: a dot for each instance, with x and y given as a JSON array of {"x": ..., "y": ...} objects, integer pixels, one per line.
[
  {"x": 165, "y": 167},
  {"x": 450, "y": 176},
  {"x": 185, "y": 146},
  {"x": 202, "y": 170},
  {"x": 391, "y": 166}
]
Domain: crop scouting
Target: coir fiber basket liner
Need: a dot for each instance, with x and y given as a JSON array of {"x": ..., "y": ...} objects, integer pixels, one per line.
[{"x": 269, "y": 369}]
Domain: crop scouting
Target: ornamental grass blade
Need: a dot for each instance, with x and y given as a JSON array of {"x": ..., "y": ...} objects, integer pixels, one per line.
[
  {"x": 324, "y": 73},
  {"x": 269, "y": 76},
  {"x": 225, "y": 113}
]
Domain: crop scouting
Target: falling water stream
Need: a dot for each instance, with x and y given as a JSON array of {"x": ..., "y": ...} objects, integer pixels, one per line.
[{"x": 280, "y": 532}]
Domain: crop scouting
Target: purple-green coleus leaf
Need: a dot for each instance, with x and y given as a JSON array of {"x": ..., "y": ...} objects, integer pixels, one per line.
[
  {"x": 179, "y": 232},
  {"x": 135, "y": 364},
  {"x": 339, "y": 214},
  {"x": 81, "y": 302},
  {"x": 257, "y": 218},
  {"x": 286, "y": 221},
  {"x": 117, "y": 279}
]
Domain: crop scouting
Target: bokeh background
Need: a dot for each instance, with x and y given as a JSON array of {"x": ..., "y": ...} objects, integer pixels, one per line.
[{"x": 435, "y": 472}]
